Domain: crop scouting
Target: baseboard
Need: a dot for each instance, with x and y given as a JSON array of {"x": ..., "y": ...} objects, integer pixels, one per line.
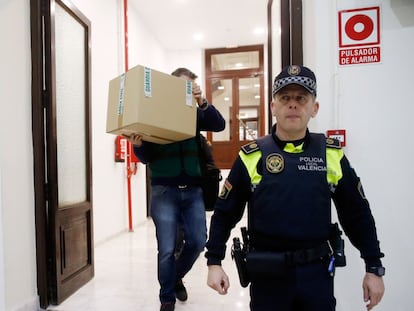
[{"x": 33, "y": 305}]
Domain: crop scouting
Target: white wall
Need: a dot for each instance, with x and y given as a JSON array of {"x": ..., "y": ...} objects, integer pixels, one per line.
[
  {"x": 109, "y": 178},
  {"x": 2, "y": 301},
  {"x": 109, "y": 181},
  {"x": 373, "y": 103}
]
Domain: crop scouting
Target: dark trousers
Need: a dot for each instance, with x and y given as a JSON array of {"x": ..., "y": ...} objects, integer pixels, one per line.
[{"x": 307, "y": 287}]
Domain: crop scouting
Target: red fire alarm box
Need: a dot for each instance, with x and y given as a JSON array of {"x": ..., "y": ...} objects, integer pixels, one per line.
[
  {"x": 337, "y": 134},
  {"x": 121, "y": 150}
]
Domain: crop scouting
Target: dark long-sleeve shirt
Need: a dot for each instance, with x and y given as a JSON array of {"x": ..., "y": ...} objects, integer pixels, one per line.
[{"x": 352, "y": 207}]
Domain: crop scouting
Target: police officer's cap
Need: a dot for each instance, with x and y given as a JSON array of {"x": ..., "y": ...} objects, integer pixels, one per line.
[{"x": 295, "y": 74}]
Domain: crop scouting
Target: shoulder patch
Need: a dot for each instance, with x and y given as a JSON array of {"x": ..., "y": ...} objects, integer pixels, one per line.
[
  {"x": 250, "y": 147},
  {"x": 333, "y": 143}
]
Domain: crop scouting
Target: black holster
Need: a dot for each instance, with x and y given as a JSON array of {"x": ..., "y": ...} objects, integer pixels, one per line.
[
  {"x": 238, "y": 253},
  {"x": 338, "y": 246}
]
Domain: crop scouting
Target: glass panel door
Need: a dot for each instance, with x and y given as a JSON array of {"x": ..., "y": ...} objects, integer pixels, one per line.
[
  {"x": 235, "y": 86},
  {"x": 222, "y": 98},
  {"x": 249, "y": 108},
  {"x": 235, "y": 61},
  {"x": 70, "y": 108}
]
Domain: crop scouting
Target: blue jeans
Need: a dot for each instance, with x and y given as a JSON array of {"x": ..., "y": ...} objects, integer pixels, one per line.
[{"x": 170, "y": 207}]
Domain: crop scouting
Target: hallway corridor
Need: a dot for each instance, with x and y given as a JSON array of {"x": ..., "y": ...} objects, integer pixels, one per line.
[{"x": 126, "y": 279}]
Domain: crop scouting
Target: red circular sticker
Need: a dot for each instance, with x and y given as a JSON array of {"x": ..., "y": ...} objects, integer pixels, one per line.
[{"x": 367, "y": 23}]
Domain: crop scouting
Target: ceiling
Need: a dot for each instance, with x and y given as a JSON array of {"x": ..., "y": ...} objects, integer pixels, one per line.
[{"x": 219, "y": 23}]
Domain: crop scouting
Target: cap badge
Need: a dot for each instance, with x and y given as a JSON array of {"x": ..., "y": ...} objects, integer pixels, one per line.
[
  {"x": 293, "y": 70},
  {"x": 275, "y": 163}
]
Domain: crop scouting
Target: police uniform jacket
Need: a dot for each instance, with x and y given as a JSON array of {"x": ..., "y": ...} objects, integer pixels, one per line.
[
  {"x": 288, "y": 187},
  {"x": 179, "y": 163}
]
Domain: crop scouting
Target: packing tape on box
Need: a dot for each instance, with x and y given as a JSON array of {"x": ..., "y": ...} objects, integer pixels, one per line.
[
  {"x": 120, "y": 109},
  {"x": 189, "y": 94},
  {"x": 147, "y": 82}
]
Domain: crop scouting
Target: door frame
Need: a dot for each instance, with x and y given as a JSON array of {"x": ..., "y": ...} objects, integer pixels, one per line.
[
  {"x": 225, "y": 152},
  {"x": 291, "y": 40},
  {"x": 45, "y": 153}
]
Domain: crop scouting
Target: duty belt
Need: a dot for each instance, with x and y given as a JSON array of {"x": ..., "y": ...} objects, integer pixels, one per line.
[
  {"x": 307, "y": 255},
  {"x": 264, "y": 265}
]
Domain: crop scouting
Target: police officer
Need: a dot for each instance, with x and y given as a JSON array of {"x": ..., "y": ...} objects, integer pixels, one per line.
[{"x": 288, "y": 179}]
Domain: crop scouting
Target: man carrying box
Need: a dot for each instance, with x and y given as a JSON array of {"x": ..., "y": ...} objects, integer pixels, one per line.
[{"x": 177, "y": 198}]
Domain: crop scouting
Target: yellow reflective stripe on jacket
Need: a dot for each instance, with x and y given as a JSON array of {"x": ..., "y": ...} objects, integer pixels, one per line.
[
  {"x": 250, "y": 162},
  {"x": 333, "y": 163},
  {"x": 291, "y": 148}
]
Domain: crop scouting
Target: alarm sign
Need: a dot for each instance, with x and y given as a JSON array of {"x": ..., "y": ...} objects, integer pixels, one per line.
[
  {"x": 359, "y": 36},
  {"x": 359, "y": 27}
]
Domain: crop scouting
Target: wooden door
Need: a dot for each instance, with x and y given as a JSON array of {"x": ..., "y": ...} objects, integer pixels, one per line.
[
  {"x": 62, "y": 148},
  {"x": 235, "y": 86}
]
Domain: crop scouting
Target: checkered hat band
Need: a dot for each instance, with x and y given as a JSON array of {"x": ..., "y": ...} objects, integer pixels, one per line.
[{"x": 305, "y": 81}]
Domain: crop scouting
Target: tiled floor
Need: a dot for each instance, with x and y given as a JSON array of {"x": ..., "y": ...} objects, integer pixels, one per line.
[{"x": 126, "y": 279}]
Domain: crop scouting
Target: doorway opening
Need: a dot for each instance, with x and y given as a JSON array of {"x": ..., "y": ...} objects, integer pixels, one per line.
[{"x": 235, "y": 86}]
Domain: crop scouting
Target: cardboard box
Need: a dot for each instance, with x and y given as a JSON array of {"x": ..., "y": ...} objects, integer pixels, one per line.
[{"x": 156, "y": 105}]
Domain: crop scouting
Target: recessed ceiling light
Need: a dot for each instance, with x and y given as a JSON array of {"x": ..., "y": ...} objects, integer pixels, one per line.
[
  {"x": 259, "y": 31},
  {"x": 198, "y": 36}
]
